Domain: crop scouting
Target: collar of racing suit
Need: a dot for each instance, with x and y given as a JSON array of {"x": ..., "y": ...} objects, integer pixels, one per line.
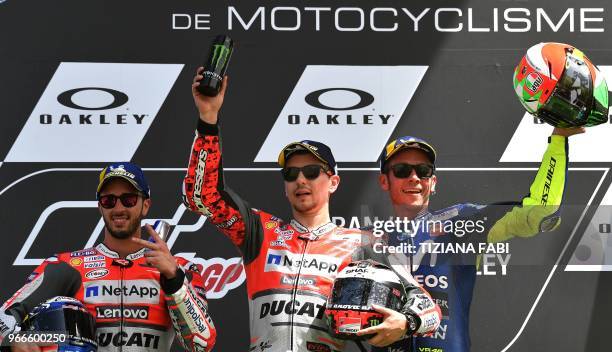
[
  {"x": 102, "y": 248},
  {"x": 312, "y": 235}
]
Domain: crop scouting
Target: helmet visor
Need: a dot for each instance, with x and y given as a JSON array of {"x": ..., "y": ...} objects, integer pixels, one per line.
[
  {"x": 571, "y": 100},
  {"x": 350, "y": 291},
  {"x": 77, "y": 324},
  {"x": 365, "y": 292}
]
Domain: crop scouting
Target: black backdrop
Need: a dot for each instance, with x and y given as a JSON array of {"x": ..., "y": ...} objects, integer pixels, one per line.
[{"x": 464, "y": 105}]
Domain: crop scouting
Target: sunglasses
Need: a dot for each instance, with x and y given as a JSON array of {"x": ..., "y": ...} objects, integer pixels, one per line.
[
  {"x": 311, "y": 172},
  {"x": 405, "y": 170},
  {"x": 109, "y": 201}
]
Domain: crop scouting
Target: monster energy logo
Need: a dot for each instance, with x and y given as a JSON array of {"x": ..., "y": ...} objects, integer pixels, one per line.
[
  {"x": 374, "y": 322},
  {"x": 220, "y": 55}
]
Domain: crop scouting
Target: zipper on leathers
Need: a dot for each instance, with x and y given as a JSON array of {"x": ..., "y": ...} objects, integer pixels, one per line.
[
  {"x": 122, "y": 270},
  {"x": 294, "y": 293}
]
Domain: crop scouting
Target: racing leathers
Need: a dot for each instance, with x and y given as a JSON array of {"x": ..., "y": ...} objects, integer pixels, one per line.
[
  {"x": 450, "y": 278},
  {"x": 289, "y": 268},
  {"x": 135, "y": 307}
]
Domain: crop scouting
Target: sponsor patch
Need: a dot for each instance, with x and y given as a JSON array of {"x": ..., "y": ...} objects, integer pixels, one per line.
[
  {"x": 271, "y": 224},
  {"x": 110, "y": 291},
  {"x": 533, "y": 82},
  {"x": 82, "y": 253},
  {"x": 290, "y": 263},
  {"x": 94, "y": 258},
  {"x": 93, "y": 265},
  {"x": 317, "y": 347},
  {"x": 96, "y": 274},
  {"x": 303, "y": 281},
  {"x": 349, "y": 325},
  {"x": 76, "y": 261},
  {"x": 115, "y": 312}
]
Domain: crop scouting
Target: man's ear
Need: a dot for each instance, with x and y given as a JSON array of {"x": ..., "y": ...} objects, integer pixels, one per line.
[
  {"x": 434, "y": 181},
  {"x": 383, "y": 181},
  {"x": 334, "y": 183},
  {"x": 146, "y": 204}
]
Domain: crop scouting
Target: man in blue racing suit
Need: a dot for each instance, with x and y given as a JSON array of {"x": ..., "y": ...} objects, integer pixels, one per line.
[{"x": 408, "y": 176}]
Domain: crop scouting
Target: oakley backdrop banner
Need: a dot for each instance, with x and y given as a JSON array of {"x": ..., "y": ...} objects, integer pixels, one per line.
[{"x": 89, "y": 83}]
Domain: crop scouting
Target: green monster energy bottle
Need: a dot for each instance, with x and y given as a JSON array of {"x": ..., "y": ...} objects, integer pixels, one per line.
[{"x": 214, "y": 70}]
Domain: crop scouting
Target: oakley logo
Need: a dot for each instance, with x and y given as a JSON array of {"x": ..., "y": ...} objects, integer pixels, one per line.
[
  {"x": 66, "y": 98},
  {"x": 314, "y": 99}
]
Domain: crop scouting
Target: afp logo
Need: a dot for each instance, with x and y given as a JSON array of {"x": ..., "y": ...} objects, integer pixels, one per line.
[{"x": 338, "y": 105}]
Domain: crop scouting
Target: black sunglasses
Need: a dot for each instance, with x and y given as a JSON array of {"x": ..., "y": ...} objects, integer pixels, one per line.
[
  {"x": 109, "y": 201},
  {"x": 405, "y": 170},
  {"x": 311, "y": 172}
]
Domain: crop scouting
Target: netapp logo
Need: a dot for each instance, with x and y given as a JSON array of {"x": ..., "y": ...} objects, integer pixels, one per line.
[
  {"x": 338, "y": 105},
  {"x": 136, "y": 291},
  {"x": 115, "y": 312},
  {"x": 286, "y": 262},
  {"x": 391, "y": 19},
  {"x": 87, "y": 104}
]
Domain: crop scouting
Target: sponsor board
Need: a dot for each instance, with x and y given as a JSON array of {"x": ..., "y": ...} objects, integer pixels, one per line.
[
  {"x": 338, "y": 105},
  {"x": 87, "y": 104}
]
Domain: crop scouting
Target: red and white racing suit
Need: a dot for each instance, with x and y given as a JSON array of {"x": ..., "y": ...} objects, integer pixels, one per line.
[
  {"x": 136, "y": 309},
  {"x": 289, "y": 269}
]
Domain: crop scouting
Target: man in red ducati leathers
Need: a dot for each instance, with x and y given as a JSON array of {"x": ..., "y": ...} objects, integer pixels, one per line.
[
  {"x": 140, "y": 295},
  {"x": 290, "y": 266}
]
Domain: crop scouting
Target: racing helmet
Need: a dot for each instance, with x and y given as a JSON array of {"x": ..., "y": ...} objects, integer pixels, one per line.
[
  {"x": 359, "y": 285},
  {"x": 68, "y": 324},
  {"x": 558, "y": 84}
]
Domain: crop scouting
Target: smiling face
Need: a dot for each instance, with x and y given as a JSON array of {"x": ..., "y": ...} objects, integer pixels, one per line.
[
  {"x": 408, "y": 195},
  {"x": 309, "y": 196},
  {"x": 123, "y": 222}
]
